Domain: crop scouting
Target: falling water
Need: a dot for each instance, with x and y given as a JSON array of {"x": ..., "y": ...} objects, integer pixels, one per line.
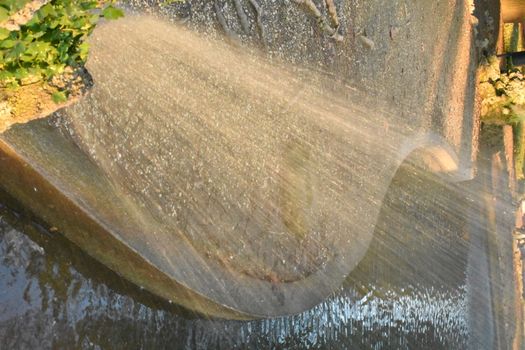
[
  {"x": 226, "y": 165},
  {"x": 268, "y": 172},
  {"x": 53, "y": 292}
]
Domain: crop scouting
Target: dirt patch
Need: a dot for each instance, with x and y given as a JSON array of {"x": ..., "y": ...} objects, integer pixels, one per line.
[{"x": 33, "y": 101}]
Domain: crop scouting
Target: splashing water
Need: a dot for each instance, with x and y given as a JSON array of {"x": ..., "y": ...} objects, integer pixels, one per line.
[
  {"x": 381, "y": 305},
  {"x": 257, "y": 185},
  {"x": 254, "y": 181}
]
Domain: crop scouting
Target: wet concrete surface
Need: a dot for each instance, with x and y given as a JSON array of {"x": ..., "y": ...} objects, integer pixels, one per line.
[
  {"x": 410, "y": 291},
  {"x": 219, "y": 177},
  {"x": 255, "y": 187}
]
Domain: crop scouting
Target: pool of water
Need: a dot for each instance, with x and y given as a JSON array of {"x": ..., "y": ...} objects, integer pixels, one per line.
[{"x": 410, "y": 291}]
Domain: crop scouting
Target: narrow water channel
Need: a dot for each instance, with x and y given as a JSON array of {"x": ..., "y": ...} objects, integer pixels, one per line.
[{"x": 410, "y": 291}]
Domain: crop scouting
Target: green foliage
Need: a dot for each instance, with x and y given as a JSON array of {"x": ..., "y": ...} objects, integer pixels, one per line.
[
  {"x": 59, "y": 97},
  {"x": 54, "y": 38},
  {"x": 111, "y": 12}
]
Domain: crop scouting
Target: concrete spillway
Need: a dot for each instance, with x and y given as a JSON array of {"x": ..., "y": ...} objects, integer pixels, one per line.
[{"x": 232, "y": 186}]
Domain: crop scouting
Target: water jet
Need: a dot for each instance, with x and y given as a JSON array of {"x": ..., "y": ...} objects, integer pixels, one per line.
[{"x": 238, "y": 187}]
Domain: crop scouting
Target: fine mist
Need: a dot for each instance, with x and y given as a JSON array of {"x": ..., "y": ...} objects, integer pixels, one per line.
[{"x": 257, "y": 182}]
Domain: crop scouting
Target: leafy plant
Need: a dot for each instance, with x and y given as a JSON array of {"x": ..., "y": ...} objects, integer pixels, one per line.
[{"x": 54, "y": 38}]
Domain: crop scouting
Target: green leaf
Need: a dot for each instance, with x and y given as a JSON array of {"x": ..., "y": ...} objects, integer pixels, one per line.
[
  {"x": 19, "y": 4},
  {"x": 17, "y": 50},
  {"x": 35, "y": 20},
  {"x": 37, "y": 35},
  {"x": 59, "y": 97},
  {"x": 111, "y": 12},
  {"x": 47, "y": 10},
  {"x": 7, "y": 44},
  {"x": 4, "y": 14},
  {"x": 21, "y": 73},
  {"x": 83, "y": 50},
  {"x": 4, "y": 33},
  {"x": 88, "y": 5}
]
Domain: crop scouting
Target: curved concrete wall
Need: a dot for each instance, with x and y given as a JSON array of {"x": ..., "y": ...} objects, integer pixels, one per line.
[{"x": 191, "y": 155}]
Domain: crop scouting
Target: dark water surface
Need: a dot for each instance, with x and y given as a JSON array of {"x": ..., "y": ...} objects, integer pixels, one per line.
[{"x": 410, "y": 291}]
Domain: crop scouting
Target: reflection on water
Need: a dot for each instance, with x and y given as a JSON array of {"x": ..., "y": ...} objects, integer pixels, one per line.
[{"x": 409, "y": 291}]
